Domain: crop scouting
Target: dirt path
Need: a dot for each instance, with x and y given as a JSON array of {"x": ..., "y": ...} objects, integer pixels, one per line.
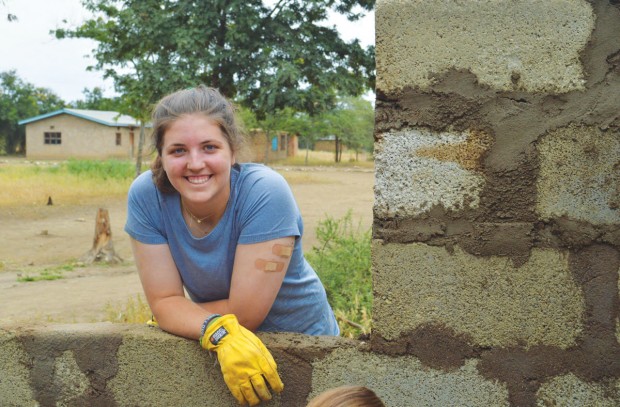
[{"x": 35, "y": 238}]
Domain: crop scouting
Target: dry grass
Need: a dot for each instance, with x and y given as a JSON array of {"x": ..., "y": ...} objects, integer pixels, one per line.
[
  {"x": 133, "y": 311},
  {"x": 24, "y": 183},
  {"x": 325, "y": 158},
  {"x": 33, "y": 184}
]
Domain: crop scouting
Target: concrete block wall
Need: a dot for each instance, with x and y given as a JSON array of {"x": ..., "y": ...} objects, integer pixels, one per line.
[
  {"x": 112, "y": 365},
  {"x": 497, "y": 197}
]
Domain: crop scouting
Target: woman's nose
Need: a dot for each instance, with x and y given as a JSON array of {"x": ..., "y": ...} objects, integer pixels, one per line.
[{"x": 194, "y": 161}]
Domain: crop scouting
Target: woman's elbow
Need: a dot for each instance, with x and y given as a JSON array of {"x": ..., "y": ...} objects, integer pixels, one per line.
[{"x": 250, "y": 322}]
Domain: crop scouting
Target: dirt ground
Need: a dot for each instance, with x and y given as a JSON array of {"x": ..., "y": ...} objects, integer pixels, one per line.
[{"x": 35, "y": 238}]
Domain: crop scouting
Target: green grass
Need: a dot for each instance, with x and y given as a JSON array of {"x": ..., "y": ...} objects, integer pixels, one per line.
[
  {"x": 101, "y": 170},
  {"x": 47, "y": 274},
  {"x": 342, "y": 261}
]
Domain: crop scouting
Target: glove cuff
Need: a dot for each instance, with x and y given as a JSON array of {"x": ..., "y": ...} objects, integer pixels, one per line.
[
  {"x": 207, "y": 322},
  {"x": 216, "y": 331}
]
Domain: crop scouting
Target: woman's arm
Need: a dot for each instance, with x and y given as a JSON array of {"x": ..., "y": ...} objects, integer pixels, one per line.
[
  {"x": 164, "y": 291},
  {"x": 258, "y": 272}
]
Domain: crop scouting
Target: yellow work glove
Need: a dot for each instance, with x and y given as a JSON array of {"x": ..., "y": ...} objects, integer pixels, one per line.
[
  {"x": 244, "y": 360},
  {"x": 152, "y": 322}
]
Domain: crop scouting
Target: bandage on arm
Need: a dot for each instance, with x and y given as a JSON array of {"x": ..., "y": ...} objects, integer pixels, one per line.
[{"x": 257, "y": 277}]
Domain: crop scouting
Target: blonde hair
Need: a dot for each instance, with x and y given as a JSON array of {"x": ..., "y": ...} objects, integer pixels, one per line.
[
  {"x": 199, "y": 100},
  {"x": 347, "y": 396}
]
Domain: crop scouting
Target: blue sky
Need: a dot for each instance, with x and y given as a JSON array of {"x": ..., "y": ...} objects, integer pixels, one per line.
[{"x": 60, "y": 65}]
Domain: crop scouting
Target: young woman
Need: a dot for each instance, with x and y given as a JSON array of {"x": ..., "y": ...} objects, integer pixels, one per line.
[{"x": 228, "y": 234}]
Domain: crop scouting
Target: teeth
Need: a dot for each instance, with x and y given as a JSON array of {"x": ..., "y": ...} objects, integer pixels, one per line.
[{"x": 198, "y": 180}]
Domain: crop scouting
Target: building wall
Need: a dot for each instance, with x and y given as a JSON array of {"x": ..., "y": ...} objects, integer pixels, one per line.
[
  {"x": 497, "y": 197},
  {"x": 325, "y": 145},
  {"x": 259, "y": 149},
  {"x": 80, "y": 139}
]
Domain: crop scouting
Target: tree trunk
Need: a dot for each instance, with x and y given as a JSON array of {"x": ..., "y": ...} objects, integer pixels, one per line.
[
  {"x": 267, "y": 148},
  {"x": 103, "y": 249},
  {"x": 139, "y": 153}
]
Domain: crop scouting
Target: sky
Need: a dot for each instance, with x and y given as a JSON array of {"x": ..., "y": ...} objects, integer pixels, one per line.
[{"x": 27, "y": 47}]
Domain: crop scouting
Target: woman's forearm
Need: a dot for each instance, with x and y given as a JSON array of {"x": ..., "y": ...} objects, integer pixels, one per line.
[
  {"x": 180, "y": 316},
  {"x": 223, "y": 307}
]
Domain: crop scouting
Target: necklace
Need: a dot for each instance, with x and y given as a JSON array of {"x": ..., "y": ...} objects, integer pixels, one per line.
[{"x": 194, "y": 217}]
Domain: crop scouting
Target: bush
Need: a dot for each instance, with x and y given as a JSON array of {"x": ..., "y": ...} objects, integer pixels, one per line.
[{"x": 342, "y": 261}]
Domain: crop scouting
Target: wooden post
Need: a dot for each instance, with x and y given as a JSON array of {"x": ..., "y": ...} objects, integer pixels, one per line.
[{"x": 103, "y": 249}]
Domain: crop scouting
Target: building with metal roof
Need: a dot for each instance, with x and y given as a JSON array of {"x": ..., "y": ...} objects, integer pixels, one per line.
[{"x": 82, "y": 134}]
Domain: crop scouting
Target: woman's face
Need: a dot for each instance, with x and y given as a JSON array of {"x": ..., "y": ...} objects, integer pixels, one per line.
[{"x": 197, "y": 159}]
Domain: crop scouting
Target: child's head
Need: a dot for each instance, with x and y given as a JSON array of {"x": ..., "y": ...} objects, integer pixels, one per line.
[{"x": 347, "y": 396}]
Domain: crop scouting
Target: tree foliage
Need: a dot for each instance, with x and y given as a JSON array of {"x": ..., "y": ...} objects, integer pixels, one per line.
[
  {"x": 266, "y": 55},
  {"x": 20, "y": 100},
  {"x": 95, "y": 100},
  {"x": 352, "y": 124}
]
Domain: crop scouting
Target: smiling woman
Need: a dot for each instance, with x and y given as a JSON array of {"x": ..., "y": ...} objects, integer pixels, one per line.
[{"x": 228, "y": 234}]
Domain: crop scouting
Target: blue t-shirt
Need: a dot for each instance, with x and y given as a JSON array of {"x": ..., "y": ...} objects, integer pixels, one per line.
[{"x": 261, "y": 207}]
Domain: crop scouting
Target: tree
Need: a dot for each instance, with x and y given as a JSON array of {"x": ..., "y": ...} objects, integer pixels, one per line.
[
  {"x": 267, "y": 57},
  {"x": 9, "y": 16},
  {"x": 308, "y": 128},
  {"x": 20, "y": 100},
  {"x": 352, "y": 123},
  {"x": 94, "y": 100}
]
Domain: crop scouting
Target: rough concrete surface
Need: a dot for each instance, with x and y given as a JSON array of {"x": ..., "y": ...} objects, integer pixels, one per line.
[
  {"x": 14, "y": 374},
  {"x": 570, "y": 391},
  {"x": 486, "y": 298},
  {"x": 529, "y": 45},
  {"x": 403, "y": 159},
  {"x": 111, "y": 365},
  {"x": 405, "y": 382},
  {"x": 580, "y": 175}
]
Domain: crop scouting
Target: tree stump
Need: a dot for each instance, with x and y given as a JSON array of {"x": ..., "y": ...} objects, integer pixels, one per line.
[{"x": 103, "y": 249}]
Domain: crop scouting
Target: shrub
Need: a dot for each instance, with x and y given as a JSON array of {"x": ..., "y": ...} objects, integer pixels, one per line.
[{"x": 342, "y": 261}]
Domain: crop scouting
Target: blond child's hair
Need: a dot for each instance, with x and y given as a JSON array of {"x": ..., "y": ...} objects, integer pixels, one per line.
[{"x": 347, "y": 396}]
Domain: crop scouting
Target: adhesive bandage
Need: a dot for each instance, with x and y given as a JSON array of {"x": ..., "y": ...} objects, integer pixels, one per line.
[
  {"x": 266, "y": 265},
  {"x": 282, "y": 250}
]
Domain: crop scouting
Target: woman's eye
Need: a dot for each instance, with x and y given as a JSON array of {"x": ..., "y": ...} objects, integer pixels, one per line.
[
  {"x": 178, "y": 151},
  {"x": 210, "y": 147}
]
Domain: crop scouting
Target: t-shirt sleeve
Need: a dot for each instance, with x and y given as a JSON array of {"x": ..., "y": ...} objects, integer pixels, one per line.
[
  {"x": 269, "y": 210},
  {"x": 144, "y": 213}
]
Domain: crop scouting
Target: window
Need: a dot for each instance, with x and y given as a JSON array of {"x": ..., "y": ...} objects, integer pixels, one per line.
[
  {"x": 118, "y": 139},
  {"x": 282, "y": 142},
  {"x": 52, "y": 138}
]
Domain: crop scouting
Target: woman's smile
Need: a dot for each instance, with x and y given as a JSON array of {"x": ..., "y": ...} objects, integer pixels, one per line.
[
  {"x": 197, "y": 160},
  {"x": 198, "y": 179}
]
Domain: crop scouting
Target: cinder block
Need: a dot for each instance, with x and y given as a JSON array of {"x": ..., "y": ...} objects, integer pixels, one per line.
[
  {"x": 526, "y": 45},
  {"x": 404, "y": 382},
  {"x": 416, "y": 170},
  {"x": 579, "y": 175},
  {"x": 196, "y": 372},
  {"x": 14, "y": 375},
  {"x": 570, "y": 391},
  {"x": 68, "y": 377},
  {"x": 486, "y": 298}
]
